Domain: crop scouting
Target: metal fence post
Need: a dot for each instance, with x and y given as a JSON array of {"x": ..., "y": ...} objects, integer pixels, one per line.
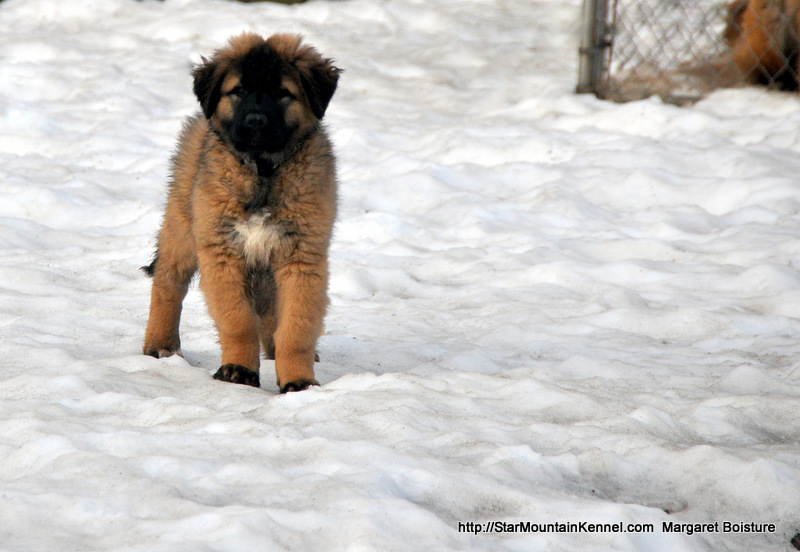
[{"x": 594, "y": 41}]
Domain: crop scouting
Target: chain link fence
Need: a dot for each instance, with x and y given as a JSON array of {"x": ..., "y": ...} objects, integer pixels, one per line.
[{"x": 683, "y": 49}]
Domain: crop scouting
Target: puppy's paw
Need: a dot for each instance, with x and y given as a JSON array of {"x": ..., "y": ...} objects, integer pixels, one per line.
[
  {"x": 235, "y": 373},
  {"x": 162, "y": 352},
  {"x": 298, "y": 385}
]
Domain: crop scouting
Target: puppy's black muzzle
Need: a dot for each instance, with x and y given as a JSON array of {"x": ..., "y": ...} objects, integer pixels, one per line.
[{"x": 259, "y": 125}]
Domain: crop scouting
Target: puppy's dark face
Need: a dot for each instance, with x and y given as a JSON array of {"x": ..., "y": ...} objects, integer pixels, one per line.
[
  {"x": 262, "y": 96},
  {"x": 259, "y": 119}
]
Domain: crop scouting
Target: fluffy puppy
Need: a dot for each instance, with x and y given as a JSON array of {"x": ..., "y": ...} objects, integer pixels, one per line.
[{"x": 251, "y": 206}]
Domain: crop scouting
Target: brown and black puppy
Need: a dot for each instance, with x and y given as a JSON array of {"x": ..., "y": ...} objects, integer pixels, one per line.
[
  {"x": 764, "y": 38},
  {"x": 251, "y": 205}
]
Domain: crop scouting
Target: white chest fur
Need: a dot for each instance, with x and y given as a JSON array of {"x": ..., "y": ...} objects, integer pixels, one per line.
[{"x": 258, "y": 236}]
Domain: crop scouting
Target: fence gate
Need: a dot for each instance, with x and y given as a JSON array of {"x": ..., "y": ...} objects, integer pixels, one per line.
[{"x": 683, "y": 49}]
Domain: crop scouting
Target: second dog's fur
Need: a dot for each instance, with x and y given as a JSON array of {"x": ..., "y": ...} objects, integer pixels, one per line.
[{"x": 764, "y": 38}]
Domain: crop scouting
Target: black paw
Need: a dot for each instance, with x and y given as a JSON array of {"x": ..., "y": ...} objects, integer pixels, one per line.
[
  {"x": 299, "y": 385},
  {"x": 235, "y": 373}
]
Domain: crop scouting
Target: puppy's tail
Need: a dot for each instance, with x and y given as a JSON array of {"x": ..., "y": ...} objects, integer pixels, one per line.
[{"x": 151, "y": 268}]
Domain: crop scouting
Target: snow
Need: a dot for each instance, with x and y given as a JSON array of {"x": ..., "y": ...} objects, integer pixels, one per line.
[{"x": 545, "y": 307}]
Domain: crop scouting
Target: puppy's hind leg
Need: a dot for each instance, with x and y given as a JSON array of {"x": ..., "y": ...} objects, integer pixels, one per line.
[
  {"x": 172, "y": 270},
  {"x": 262, "y": 290}
]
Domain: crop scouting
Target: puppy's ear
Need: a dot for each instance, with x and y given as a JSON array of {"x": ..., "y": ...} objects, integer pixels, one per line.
[
  {"x": 207, "y": 84},
  {"x": 319, "y": 78}
]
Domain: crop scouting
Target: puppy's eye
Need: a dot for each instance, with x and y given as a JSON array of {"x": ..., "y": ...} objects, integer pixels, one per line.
[
  {"x": 282, "y": 93},
  {"x": 239, "y": 92}
]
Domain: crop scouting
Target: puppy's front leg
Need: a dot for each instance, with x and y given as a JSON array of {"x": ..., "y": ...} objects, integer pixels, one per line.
[
  {"x": 223, "y": 281},
  {"x": 302, "y": 301}
]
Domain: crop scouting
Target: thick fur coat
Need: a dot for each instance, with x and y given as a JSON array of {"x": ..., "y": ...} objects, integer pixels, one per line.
[{"x": 251, "y": 206}]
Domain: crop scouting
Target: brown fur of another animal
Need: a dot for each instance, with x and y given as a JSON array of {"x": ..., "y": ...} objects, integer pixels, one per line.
[
  {"x": 251, "y": 206},
  {"x": 763, "y": 36}
]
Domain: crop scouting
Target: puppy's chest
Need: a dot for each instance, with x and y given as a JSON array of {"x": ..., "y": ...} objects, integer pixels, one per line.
[{"x": 260, "y": 236}]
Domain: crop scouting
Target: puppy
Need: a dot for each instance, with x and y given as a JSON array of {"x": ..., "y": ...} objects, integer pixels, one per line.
[{"x": 252, "y": 203}]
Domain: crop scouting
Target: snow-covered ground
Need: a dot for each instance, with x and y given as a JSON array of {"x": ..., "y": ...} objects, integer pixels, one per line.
[{"x": 545, "y": 308}]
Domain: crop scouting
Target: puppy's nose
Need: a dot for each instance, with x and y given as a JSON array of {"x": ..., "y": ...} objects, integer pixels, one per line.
[{"x": 255, "y": 120}]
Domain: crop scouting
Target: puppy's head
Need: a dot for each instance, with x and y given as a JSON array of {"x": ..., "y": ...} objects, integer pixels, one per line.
[{"x": 263, "y": 95}]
